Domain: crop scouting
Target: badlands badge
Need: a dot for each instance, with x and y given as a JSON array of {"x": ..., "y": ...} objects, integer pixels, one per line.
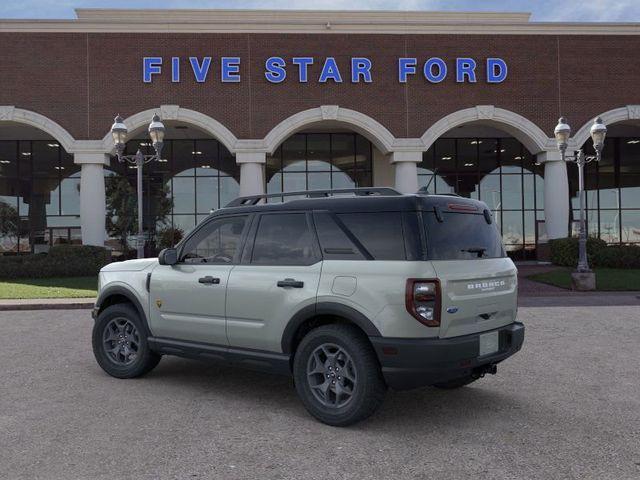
[{"x": 159, "y": 303}]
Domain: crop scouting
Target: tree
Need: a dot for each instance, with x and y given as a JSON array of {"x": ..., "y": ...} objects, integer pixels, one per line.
[
  {"x": 122, "y": 208},
  {"x": 9, "y": 221}
]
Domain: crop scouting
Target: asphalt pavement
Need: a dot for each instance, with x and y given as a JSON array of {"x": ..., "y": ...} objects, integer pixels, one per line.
[{"x": 566, "y": 406}]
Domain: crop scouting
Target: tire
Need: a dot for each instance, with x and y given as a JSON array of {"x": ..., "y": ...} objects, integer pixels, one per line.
[
  {"x": 131, "y": 356},
  {"x": 455, "y": 383},
  {"x": 359, "y": 387}
]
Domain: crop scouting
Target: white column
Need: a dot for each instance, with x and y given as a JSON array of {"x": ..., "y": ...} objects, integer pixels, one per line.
[
  {"x": 406, "y": 166},
  {"x": 251, "y": 172},
  {"x": 556, "y": 194},
  {"x": 92, "y": 197}
]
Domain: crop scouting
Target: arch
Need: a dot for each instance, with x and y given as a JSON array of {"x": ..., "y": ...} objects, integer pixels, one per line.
[
  {"x": 9, "y": 113},
  {"x": 373, "y": 130},
  {"x": 527, "y": 132},
  {"x": 629, "y": 112},
  {"x": 177, "y": 113}
]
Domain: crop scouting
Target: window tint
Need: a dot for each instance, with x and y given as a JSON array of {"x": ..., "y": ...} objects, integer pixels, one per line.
[
  {"x": 284, "y": 239},
  {"x": 461, "y": 236},
  {"x": 380, "y": 233},
  {"x": 218, "y": 242},
  {"x": 335, "y": 244}
]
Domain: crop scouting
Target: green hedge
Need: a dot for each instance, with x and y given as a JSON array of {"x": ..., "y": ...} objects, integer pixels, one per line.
[
  {"x": 564, "y": 252},
  {"x": 61, "y": 261},
  {"x": 618, "y": 256}
]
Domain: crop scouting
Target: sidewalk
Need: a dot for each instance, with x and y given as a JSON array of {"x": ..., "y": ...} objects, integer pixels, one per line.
[{"x": 47, "y": 304}]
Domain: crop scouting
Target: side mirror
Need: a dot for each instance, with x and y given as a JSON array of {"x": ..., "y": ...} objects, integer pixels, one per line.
[{"x": 168, "y": 256}]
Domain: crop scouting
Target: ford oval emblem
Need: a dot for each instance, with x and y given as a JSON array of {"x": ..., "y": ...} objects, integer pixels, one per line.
[{"x": 452, "y": 309}]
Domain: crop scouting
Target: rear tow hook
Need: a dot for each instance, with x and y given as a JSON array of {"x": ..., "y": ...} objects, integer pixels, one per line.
[{"x": 480, "y": 372}]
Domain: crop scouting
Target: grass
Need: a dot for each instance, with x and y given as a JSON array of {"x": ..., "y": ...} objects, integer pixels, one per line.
[
  {"x": 607, "y": 279},
  {"x": 72, "y": 287}
]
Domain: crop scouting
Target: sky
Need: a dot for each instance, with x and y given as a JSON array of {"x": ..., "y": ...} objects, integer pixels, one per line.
[{"x": 542, "y": 10}]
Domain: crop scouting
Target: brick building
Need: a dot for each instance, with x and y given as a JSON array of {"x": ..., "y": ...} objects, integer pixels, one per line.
[{"x": 277, "y": 101}]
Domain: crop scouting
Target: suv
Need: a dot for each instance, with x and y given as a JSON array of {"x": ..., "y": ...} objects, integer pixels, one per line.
[{"x": 348, "y": 294}]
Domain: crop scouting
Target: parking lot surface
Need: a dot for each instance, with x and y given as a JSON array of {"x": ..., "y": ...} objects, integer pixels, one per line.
[{"x": 567, "y": 406}]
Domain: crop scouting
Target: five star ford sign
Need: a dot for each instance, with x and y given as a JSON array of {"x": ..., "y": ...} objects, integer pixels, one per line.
[{"x": 361, "y": 69}]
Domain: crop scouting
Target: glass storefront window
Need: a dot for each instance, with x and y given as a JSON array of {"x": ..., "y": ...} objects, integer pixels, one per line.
[
  {"x": 318, "y": 161},
  {"x": 39, "y": 196}
]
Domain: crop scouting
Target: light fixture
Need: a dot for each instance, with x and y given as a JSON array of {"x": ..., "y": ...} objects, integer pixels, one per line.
[
  {"x": 502, "y": 150},
  {"x": 562, "y": 133},
  {"x": 4, "y": 162},
  {"x": 517, "y": 158},
  {"x": 53, "y": 145},
  {"x": 145, "y": 144},
  {"x": 119, "y": 133},
  {"x": 58, "y": 168},
  {"x": 469, "y": 164},
  {"x": 476, "y": 142},
  {"x": 162, "y": 160},
  {"x": 25, "y": 154},
  {"x": 598, "y": 133},
  {"x": 196, "y": 152},
  {"x": 156, "y": 132},
  {"x": 205, "y": 166},
  {"x": 632, "y": 142},
  {"x": 447, "y": 158}
]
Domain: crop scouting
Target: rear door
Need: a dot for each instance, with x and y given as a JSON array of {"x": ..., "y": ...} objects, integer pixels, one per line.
[
  {"x": 478, "y": 281},
  {"x": 278, "y": 276},
  {"x": 187, "y": 300}
]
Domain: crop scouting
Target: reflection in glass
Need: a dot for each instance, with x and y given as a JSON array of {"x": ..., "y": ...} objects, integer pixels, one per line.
[{"x": 320, "y": 161}]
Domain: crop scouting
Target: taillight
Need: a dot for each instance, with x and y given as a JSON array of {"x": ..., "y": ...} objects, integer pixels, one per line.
[{"x": 423, "y": 301}]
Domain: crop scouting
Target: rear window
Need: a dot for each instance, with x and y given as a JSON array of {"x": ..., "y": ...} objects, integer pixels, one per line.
[{"x": 461, "y": 236}]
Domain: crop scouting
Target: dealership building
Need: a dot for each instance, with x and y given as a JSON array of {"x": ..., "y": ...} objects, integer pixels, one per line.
[{"x": 276, "y": 101}]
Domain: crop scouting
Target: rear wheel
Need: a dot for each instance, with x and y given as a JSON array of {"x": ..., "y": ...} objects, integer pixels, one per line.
[
  {"x": 120, "y": 343},
  {"x": 337, "y": 375},
  {"x": 456, "y": 383}
]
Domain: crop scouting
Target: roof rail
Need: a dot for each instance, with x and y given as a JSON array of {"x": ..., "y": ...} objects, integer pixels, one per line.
[{"x": 360, "y": 192}]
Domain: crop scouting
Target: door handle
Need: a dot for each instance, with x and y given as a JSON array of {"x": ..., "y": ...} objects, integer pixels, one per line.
[
  {"x": 208, "y": 280},
  {"x": 290, "y": 282}
]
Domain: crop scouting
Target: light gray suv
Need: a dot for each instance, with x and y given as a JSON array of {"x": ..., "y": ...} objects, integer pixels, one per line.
[{"x": 349, "y": 291}]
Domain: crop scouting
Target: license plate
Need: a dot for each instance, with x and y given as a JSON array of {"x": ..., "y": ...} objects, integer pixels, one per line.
[{"x": 489, "y": 343}]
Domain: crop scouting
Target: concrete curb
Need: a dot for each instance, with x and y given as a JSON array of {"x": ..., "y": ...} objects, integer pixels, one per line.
[{"x": 47, "y": 304}]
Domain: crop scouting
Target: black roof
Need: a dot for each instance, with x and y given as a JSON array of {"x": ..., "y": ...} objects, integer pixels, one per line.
[{"x": 381, "y": 203}]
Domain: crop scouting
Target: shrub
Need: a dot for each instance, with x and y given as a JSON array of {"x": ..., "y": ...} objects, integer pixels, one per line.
[
  {"x": 61, "y": 261},
  {"x": 564, "y": 251},
  {"x": 618, "y": 256}
]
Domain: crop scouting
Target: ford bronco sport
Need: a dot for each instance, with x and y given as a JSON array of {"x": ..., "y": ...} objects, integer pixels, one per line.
[{"x": 348, "y": 294}]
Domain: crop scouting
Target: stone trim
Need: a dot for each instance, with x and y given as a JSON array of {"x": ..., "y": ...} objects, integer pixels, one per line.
[
  {"x": 177, "y": 113},
  {"x": 382, "y": 138},
  {"x": 10, "y": 113},
  {"x": 629, "y": 112},
  {"x": 531, "y": 136}
]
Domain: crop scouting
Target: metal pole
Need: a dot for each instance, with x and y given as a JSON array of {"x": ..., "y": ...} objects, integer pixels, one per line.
[
  {"x": 583, "y": 263},
  {"x": 140, "y": 239}
]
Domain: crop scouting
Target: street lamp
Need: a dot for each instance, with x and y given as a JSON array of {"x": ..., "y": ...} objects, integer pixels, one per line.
[
  {"x": 562, "y": 133},
  {"x": 119, "y": 133}
]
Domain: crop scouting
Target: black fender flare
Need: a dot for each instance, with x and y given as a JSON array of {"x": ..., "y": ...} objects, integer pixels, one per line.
[
  {"x": 125, "y": 292},
  {"x": 326, "y": 308}
]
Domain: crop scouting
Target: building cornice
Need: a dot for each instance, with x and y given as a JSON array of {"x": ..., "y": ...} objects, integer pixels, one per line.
[{"x": 311, "y": 22}]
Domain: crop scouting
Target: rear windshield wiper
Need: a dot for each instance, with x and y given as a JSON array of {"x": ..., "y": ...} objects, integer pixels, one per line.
[{"x": 478, "y": 250}]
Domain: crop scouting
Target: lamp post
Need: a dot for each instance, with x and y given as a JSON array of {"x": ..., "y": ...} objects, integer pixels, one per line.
[
  {"x": 562, "y": 133},
  {"x": 119, "y": 133}
]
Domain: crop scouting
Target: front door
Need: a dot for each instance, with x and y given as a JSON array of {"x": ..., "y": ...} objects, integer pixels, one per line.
[
  {"x": 187, "y": 300},
  {"x": 279, "y": 276}
]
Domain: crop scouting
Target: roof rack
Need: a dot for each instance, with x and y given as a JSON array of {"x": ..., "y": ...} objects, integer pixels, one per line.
[{"x": 359, "y": 192}]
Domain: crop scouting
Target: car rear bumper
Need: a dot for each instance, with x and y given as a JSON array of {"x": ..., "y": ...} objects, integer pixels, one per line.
[{"x": 410, "y": 363}]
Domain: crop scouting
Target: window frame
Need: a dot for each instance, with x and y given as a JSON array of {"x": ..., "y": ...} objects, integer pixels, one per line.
[
  {"x": 204, "y": 229},
  {"x": 247, "y": 254}
]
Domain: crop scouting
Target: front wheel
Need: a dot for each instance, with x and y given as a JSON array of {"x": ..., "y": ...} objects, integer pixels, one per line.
[
  {"x": 337, "y": 375},
  {"x": 120, "y": 343}
]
